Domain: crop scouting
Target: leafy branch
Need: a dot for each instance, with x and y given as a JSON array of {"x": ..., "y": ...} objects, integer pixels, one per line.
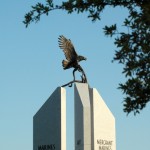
[{"x": 93, "y": 7}]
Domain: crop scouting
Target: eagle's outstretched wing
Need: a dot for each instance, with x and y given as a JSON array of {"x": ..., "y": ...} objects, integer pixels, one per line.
[{"x": 68, "y": 48}]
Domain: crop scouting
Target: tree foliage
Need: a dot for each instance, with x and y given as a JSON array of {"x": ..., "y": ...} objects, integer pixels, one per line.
[{"x": 133, "y": 46}]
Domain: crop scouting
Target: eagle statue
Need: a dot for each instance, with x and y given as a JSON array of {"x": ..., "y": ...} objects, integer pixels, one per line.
[{"x": 72, "y": 58}]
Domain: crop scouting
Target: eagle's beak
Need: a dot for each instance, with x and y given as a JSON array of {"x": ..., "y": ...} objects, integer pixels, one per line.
[{"x": 85, "y": 58}]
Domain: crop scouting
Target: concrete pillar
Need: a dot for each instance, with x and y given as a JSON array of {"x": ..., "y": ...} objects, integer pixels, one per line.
[
  {"x": 102, "y": 124},
  {"x": 49, "y": 123},
  {"x": 82, "y": 117}
]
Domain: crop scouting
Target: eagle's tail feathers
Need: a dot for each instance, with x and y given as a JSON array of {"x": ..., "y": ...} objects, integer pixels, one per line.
[{"x": 65, "y": 64}]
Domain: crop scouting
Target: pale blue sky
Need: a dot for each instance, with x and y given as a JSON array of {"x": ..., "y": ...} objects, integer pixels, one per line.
[{"x": 30, "y": 70}]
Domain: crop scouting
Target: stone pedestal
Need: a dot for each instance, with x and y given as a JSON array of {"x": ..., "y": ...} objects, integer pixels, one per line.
[
  {"x": 49, "y": 123},
  {"x": 82, "y": 117},
  {"x": 102, "y": 124}
]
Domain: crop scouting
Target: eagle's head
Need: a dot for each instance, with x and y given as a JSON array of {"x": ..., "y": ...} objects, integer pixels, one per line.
[{"x": 80, "y": 58}]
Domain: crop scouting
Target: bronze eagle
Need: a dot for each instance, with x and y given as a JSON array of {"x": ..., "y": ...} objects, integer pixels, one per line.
[{"x": 72, "y": 58}]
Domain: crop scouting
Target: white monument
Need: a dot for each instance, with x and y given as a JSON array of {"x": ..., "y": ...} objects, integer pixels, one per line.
[
  {"x": 94, "y": 122},
  {"x": 49, "y": 123}
]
